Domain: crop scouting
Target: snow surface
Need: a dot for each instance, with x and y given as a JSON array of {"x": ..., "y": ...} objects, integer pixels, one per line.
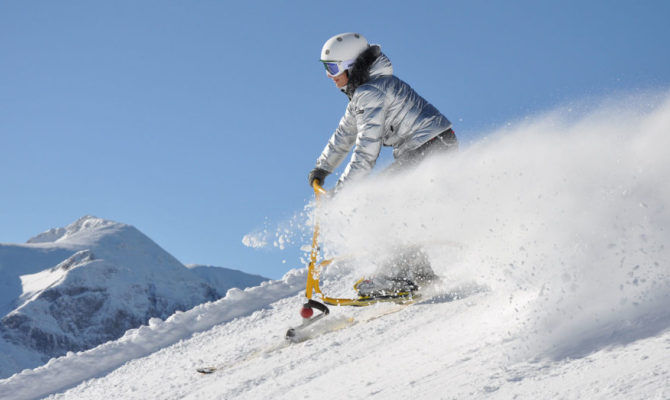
[{"x": 551, "y": 238}]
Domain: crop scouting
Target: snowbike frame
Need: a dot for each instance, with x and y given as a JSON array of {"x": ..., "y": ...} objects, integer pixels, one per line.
[
  {"x": 314, "y": 271},
  {"x": 312, "y": 288}
]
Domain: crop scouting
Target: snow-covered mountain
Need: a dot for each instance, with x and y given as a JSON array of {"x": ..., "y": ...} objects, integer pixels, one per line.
[
  {"x": 552, "y": 239},
  {"x": 73, "y": 288}
]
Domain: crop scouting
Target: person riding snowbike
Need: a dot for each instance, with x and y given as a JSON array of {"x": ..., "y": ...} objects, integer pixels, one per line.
[{"x": 383, "y": 110}]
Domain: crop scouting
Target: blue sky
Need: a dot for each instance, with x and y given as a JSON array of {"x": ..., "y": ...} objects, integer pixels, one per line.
[{"x": 198, "y": 121}]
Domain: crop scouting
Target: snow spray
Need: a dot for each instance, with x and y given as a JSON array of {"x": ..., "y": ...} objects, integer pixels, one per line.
[{"x": 567, "y": 210}]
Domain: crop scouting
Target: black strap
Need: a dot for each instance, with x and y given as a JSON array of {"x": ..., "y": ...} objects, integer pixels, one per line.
[{"x": 315, "y": 304}]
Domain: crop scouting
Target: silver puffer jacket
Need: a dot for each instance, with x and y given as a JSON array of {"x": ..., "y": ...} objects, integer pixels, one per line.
[{"x": 382, "y": 111}]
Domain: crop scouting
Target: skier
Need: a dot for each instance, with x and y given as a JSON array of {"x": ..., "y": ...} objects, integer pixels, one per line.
[{"x": 382, "y": 111}]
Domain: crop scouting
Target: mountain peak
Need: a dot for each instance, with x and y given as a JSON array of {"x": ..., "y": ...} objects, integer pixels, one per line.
[
  {"x": 85, "y": 223},
  {"x": 89, "y": 282}
]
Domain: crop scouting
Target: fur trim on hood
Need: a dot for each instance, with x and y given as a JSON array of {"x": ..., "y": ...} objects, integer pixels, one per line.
[{"x": 360, "y": 71}]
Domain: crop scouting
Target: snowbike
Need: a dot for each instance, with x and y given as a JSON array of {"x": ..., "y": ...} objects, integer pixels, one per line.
[{"x": 312, "y": 287}]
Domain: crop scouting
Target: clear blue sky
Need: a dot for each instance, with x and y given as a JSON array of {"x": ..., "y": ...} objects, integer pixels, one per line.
[{"x": 198, "y": 121}]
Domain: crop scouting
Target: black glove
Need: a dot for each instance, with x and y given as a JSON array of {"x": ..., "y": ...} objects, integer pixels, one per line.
[{"x": 318, "y": 174}]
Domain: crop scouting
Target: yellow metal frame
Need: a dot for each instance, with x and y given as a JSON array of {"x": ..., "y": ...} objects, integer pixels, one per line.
[{"x": 314, "y": 269}]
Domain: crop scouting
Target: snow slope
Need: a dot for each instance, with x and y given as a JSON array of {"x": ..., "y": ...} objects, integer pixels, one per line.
[{"x": 551, "y": 237}]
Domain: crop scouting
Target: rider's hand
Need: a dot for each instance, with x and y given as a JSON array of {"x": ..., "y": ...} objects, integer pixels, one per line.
[{"x": 318, "y": 174}]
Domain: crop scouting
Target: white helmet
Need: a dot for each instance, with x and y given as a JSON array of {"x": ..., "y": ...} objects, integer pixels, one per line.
[{"x": 339, "y": 52}]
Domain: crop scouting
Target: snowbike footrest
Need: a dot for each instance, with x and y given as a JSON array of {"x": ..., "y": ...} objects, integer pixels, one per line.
[{"x": 319, "y": 306}]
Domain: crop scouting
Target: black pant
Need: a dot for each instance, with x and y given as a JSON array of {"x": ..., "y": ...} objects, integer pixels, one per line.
[
  {"x": 445, "y": 141},
  {"x": 410, "y": 262}
]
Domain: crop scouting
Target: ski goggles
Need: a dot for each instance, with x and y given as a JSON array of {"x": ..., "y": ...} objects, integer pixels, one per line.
[{"x": 335, "y": 68}]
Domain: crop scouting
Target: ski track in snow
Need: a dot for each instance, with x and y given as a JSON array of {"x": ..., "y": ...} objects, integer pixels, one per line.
[{"x": 556, "y": 228}]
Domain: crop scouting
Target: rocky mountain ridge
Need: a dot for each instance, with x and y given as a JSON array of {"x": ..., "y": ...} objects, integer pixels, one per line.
[{"x": 73, "y": 288}]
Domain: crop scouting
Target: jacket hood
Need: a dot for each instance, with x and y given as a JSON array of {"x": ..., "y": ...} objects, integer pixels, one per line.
[{"x": 370, "y": 64}]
